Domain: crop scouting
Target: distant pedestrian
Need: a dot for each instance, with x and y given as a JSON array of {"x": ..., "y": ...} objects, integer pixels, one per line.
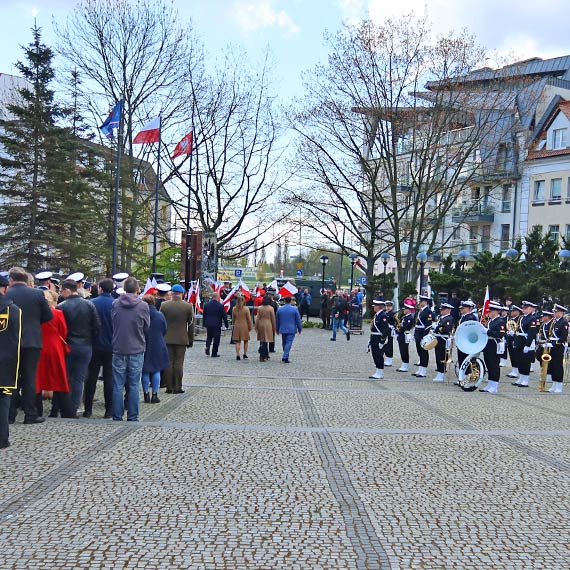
[
  {"x": 242, "y": 326},
  {"x": 305, "y": 300},
  {"x": 265, "y": 327},
  {"x": 214, "y": 316},
  {"x": 156, "y": 354},
  {"x": 288, "y": 323},
  {"x": 131, "y": 320},
  {"x": 339, "y": 313},
  {"x": 179, "y": 316}
]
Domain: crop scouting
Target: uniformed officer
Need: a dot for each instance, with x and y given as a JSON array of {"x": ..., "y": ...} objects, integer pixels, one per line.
[
  {"x": 379, "y": 333},
  {"x": 495, "y": 347},
  {"x": 389, "y": 348},
  {"x": 443, "y": 329},
  {"x": 515, "y": 315},
  {"x": 424, "y": 321},
  {"x": 162, "y": 294},
  {"x": 558, "y": 338},
  {"x": 466, "y": 314},
  {"x": 79, "y": 278},
  {"x": 44, "y": 280},
  {"x": 405, "y": 336},
  {"x": 525, "y": 341}
]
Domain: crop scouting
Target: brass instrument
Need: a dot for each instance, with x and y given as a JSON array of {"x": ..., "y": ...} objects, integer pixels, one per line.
[
  {"x": 545, "y": 358},
  {"x": 512, "y": 325}
]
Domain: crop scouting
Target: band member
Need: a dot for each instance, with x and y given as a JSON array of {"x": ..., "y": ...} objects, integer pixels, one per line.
[
  {"x": 495, "y": 347},
  {"x": 558, "y": 338},
  {"x": 44, "y": 280},
  {"x": 467, "y": 314},
  {"x": 424, "y": 321},
  {"x": 405, "y": 336},
  {"x": 515, "y": 315},
  {"x": 525, "y": 341},
  {"x": 379, "y": 333},
  {"x": 389, "y": 348},
  {"x": 443, "y": 329}
]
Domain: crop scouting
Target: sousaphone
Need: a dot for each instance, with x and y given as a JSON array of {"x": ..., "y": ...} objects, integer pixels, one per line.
[{"x": 471, "y": 338}]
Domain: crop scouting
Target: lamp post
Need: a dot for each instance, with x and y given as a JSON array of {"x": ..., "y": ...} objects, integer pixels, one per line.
[
  {"x": 564, "y": 257},
  {"x": 463, "y": 255},
  {"x": 421, "y": 258},
  {"x": 353, "y": 257},
  {"x": 324, "y": 260},
  {"x": 385, "y": 257}
]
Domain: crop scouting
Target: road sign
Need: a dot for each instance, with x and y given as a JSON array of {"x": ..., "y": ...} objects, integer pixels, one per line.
[
  {"x": 238, "y": 272},
  {"x": 363, "y": 280},
  {"x": 300, "y": 265},
  {"x": 299, "y": 273}
]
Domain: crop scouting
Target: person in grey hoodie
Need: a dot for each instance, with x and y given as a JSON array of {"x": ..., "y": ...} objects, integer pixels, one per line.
[{"x": 131, "y": 320}]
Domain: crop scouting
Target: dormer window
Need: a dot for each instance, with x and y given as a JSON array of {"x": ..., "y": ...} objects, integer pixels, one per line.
[{"x": 559, "y": 138}]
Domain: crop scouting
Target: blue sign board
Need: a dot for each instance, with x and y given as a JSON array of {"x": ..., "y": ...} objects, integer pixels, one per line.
[
  {"x": 299, "y": 273},
  {"x": 363, "y": 280},
  {"x": 238, "y": 272}
]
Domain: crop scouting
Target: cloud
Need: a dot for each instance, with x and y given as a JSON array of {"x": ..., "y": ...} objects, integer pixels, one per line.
[
  {"x": 259, "y": 14},
  {"x": 351, "y": 9}
]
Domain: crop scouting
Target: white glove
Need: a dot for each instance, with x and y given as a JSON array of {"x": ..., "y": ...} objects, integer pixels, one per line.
[
  {"x": 526, "y": 349},
  {"x": 408, "y": 337},
  {"x": 547, "y": 345},
  {"x": 394, "y": 333},
  {"x": 511, "y": 333}
]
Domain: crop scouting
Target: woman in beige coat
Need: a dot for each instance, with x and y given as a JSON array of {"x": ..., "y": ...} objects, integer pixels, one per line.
[
  {"x": 241, "y": 321},
  {"x": 265, "y": 327}
]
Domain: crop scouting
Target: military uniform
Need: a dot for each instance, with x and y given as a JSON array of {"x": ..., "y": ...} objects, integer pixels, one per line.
[
  {"x": 404, "y": 338},
  {"x": 513, "y": 354},
  {"x": 524, "y": 344},
  {"x": 389, "y": 347},
  {"x": 443, "y": 330},
  {"x": 379, "y": 333},
  {"x": 461, "y": 356},
  {"x": 557, "y": 337},
  {"x": 493, "y": 351},
  {"x": 424, "y": 321}
]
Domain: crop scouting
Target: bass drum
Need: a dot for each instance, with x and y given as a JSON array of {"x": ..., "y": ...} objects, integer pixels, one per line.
[
  {"x": 471, "y": 373},
  {"x": 428, "y": 342}
]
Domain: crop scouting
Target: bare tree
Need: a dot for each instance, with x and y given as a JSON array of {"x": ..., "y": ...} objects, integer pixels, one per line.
[{"x": 384, "y": 160}]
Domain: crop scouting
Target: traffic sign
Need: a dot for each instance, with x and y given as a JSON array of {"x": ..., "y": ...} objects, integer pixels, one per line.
[
  {"x": 299, "y": 273},
  {"x": 363, "y": 280},
  {"x": 238, "y": 272},
  {"x": 300, "y": 265}
]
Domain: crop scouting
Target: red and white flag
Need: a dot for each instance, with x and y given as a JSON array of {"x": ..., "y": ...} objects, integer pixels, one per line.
[
  {"x": 184, "y": 146},
  {"x": 288, "y": 290},
  {"x": 149, "y": 287},
  {"x": 198, "y": 302},
  {"x": 191, "y": 298},
  {"x": 150, "y": 133},
  {"x": 486, "y": 301},
  {"x": 228, "y": 299},
  {"x": 245, "y": 290}
]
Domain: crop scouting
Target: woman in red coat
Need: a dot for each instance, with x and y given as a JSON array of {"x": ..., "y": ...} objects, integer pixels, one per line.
[{"x": 52, "y": 372}]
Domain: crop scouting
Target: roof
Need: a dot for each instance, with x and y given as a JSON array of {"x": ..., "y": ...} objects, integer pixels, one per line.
[{"x": 556, "y": 106}]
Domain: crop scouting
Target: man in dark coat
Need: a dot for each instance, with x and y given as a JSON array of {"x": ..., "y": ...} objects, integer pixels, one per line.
[
  {"x": 214, "y": 316},
  {"x": 35, "y": 311},
  {"x": 10, "y": 328}
]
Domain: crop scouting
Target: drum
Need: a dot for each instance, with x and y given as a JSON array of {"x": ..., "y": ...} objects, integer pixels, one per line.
[{"x": 428, "y": 342}]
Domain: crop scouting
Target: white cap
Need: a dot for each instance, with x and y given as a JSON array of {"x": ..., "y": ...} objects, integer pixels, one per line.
[
  {"x": 120, "y": 290},
  {"x": 76, "y": 276},
  {"x": 164, "y": 287},
  {"x": 43, "y": 275},
  {"x": 120, "y": 276}
]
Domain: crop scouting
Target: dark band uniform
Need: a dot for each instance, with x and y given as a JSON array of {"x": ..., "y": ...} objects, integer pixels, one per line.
[
  {"x": 389, "y": 347},
  {"x": 461, "y": 356},
  {"x": 406, "y": 325},
  {"x": 424, "y": 321},
  {"x": 513, "y": 354},
  {"x": 443, "y": 330},
  {"x": 496, "y": 330},
  {"x": 379, "y": 333},
  {"x": 525, "y": 336},
  {"x": 555, "y": 332}
]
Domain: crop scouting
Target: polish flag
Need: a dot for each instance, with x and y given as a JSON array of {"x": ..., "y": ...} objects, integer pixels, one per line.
[
  {"x": 192, "y": 293},
  {"x": 228, "y": 299},
  {"x": 149, "y": 287},
  {"x": 259, "y": 292},
  {"x": 184, "y": 146},
  {"x": 150, "y": 132},
  {"x": 288, "y": 290},
  {"x": 198, "y": 302},
  {"x": 486, "y": 301},
  {"x": 245, "y": 290},
  {"x": 273, "y": 285}
]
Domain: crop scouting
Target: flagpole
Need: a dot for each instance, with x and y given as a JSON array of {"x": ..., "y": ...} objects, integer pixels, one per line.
[
  {"x": 116, "y": 197},
  {"x": 156, "y": 194},
  {"x": 188, "y": 230}
]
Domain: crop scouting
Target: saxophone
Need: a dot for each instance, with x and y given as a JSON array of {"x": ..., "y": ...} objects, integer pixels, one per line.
[{"x": 545, "y": 358}]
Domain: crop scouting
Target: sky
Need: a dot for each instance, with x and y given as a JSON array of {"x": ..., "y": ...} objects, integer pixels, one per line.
[{"x": 293, "y": 29}]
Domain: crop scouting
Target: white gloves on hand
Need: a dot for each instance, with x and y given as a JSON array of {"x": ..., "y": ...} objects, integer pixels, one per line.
[{"x": 526, "y": 349}]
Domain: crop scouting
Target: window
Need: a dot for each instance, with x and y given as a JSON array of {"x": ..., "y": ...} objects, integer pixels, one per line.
[
  {"x": 568, "y": 189},
  {"x": 567, "y": 232},
  {"x": 556, "y": 189},
  {"x": 473, "y": 238},
  {"x": 554, "y": 233},
  {"x": 485, "y": 238},
  {"x": 505, "y": 235},
  {"x": 538, "y": 191},
  {"x": 558, "y": 138},
  {"x": 506, "y": 204}
]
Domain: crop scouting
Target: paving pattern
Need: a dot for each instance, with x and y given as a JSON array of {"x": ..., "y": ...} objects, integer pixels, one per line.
[{"x": 301, "y": 465}]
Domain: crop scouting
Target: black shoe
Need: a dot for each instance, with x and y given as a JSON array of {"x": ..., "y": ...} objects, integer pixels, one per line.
[
  {"x": 108, "y": 416},
  {"x": 207, "y": 352},
  {"x": 285, "y": 360},
  {"x": 237, "y": 357},
  {"x": 169, "y": 392},
  {"x": 333, "y": 339},
  {"x": 347, "y": 336},
  {"x": 215, "y": 356},
  {"x": 53, "y": 415},
  {"x": 154, "y": 399},
  {"x": 4, "y": 444},
  {"x": 36, "y": 420},
  {"x": 245, "y": 356},
  {"x": 179, "y": 391},
  {"x": 146, "y": 397},
  {"x": 87, "y": 414}
]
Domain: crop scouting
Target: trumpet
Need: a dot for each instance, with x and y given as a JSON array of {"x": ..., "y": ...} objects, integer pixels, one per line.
[{"x": 512, "y": 325}]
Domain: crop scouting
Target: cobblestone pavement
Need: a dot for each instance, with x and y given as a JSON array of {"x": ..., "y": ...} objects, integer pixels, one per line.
[{"x": 301, "y": 465}]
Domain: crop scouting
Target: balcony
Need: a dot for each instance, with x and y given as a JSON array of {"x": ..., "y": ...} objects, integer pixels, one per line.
[{"x": 473, "y": 214}]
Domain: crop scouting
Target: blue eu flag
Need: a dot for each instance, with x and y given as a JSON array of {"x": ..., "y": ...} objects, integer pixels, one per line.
[{"x": 112, "y": 121}]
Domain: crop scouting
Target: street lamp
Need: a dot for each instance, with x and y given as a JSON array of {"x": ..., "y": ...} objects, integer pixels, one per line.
[
  {"x": 511, "y": 254},
  {"x": 463, "y": 255},
  {"x": 564, "y": 256},
  {"x": 353, "y": 257},
  {"x": 421, "y": 258},
  {"x": 385, "y": 257},
  {"x": 324, "y": 260}
]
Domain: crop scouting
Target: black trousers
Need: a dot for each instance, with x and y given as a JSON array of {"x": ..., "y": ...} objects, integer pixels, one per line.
[
  {"x": 461, "y": 356},
  {"x": 404, "y": 351},
  {"x": 440, "y": 360},
  {"x": 423, "y": 354},
  {"x": 492, "y": 361},
  {"x": 304, "y": 310},
  {"x": 556, "y": 365},
  {"x": 377, "y": 349},
  {"x": 524, "y": 361},
  {"x": 99, "y": 358},
  {"x": 4, "y": 416},
  {"x": 25, "y": 396},
  {"x": 213, "y": 336},
  {"x": 264, "y": 349},
  {"x": 513, "y": 355},
  {"x": 389, "y": 347},
  {"x": 61, "y": 403}
]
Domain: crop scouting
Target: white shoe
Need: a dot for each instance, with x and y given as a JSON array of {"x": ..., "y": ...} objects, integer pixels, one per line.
[
  {"x": 503, "y": 362},
  {"x": 557, "y": 387},
  {"x": 549, "y": 377},
  {"x": 523, "y": 381},
  {"x": 387, "y": 361},
  {"x": 403, "y": 368},
  {"x": 421, "y": 373},
  {"x": 513, "y": 373},
  {"x": 492, "y": 387},
  {"x": 553, "y": 388},
  {"x": 416, "y": 363},
  {"x": 378, "y": 375},
  {"x": 439, "y": 377},
  {"x": 532, "y": 367}
]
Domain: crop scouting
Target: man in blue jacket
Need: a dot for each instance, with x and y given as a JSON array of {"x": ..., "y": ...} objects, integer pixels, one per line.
[
  {"x": 288, "y": 323},
  {"x": 102, "y": 355},
  {"x": 214, "y": 316}
]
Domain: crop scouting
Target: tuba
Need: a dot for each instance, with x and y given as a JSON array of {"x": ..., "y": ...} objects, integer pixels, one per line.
[{"x": 470, "y": 338}]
